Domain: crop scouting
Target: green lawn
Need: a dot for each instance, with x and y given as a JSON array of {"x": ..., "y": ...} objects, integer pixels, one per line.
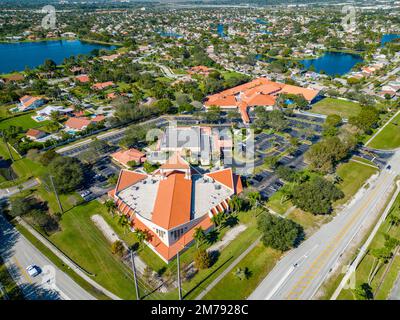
[
  {"x": 343, "y": 108},
  {"x": 389, "y": 137},
  {"x": 25, "y": 121},
  {"x": 353, "y": 176},
  {"x": 85, "y": 244},
  {"x": 23, "y": 167},
  {"x": 275, "y": 203},
  {"x": 259, "y": 262},
  {"x": 386, "y": 276},
  {"x": 10, "y": 289}
]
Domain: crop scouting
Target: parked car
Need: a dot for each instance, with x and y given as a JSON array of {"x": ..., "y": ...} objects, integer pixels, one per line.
[
  {"x": 84, "y": 193},
  {"x": 33, "y": 270}
]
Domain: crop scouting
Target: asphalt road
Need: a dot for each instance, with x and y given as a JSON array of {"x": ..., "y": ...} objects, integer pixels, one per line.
[
  {"x": 50, "y": 284},
  {"x": 7, "y": 192},
  {"x": 301, "y": 271}
]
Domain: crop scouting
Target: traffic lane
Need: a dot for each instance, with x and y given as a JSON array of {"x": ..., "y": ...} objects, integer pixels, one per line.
[
  {"x": 50, "y": 284},
  {"x": 307, "y": 277}
]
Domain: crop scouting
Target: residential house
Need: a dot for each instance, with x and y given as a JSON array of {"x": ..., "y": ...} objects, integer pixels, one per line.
[
  {"x": 30, "y": 103},
  {"x": 123, "y": 157}
]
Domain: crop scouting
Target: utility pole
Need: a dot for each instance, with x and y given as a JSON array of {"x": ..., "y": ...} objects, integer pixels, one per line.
[
  {"x": 55, "y": 192},
  {"x": 179, "y": 276},
  {"x": 135, "y": 276}
]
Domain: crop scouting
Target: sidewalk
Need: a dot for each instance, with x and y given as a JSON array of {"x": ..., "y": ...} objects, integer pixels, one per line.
[{"x": 66, "y": 260}]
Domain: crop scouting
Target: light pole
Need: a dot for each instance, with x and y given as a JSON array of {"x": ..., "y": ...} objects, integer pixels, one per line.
[
  {"x": 55, "y": 192},
  {"x": 134, "y": 275},
  {"x": 179, "y": 276}
]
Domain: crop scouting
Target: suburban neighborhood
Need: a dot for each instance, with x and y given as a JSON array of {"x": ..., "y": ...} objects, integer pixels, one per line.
[{"x": 207, "y": 150}]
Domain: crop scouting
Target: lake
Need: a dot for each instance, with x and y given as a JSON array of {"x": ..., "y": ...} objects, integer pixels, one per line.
[
  {"x": 16, "y": 56},
  {"x": 333, "y": 63},
  {"x": 388, "y": 38}
]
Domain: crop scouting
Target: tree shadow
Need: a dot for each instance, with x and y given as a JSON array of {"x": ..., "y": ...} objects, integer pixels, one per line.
[
  {"x": 214, "y": 255},
  {"x": 8, "y": 237},
  {"x": 212, "y": 236},
  {"x": 231, "y": 221},
  {"x": 33, "y": 291}
]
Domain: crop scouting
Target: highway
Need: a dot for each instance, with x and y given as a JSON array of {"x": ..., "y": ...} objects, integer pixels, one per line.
[
  {"x": 300, "y": 273},
  {"x": 51, "y": 284}
]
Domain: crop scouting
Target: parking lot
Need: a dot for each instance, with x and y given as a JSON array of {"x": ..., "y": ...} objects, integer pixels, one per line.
[
  {"x": 98, "y": 185},
  {"x": 273, "y": 145}
]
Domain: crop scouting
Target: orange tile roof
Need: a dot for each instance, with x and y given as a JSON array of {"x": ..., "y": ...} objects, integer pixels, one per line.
[
  {"x": 224, "y": 176},
  {"x": 175, "y": 162},
  {"x": 309, "y": 94},
  {"x": 169, "y": 252},
  {"x": 124, "y": 156},
  {"x": 77, "y": 123},
  {"x": 173, "y": 202},
  {"x": 102, "y": 85},
  {"x": 29, "y": 100},
  {"x": 259, "y": 92},
  {"x": 128, "y": 178},
  {"x": 83, "y": 78},
  {"x": 34, "y": 133}
]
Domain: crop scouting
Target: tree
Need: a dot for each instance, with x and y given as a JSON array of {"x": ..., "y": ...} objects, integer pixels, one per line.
[
  {"x": 333, "y": 120},
  {"x": 394, "y": 220},
  {"x": 67, "y": 173},
  {"x": 199, "y": 236},
  {"x": 381, "y": 256},
  {"x": 132, "y": 164},
  {"x": 213, "y": 114},
  {"x": 271, "y": 161},
  {"x": 19, "y": 206},
  {"x": 278, "y": 233},
  {"x": 324, "y": 155},
  {"x": 316, "y": 196},
  {"x": 111, "y": 207},
  {"x": 141, "y": 235},
  {"x": 241, "y": 273},
  {"x": 118, "y": 248},
  {"x": 366, "y": 120},
  {"x": 49, "y": 65},
  {"x": 254, "y": 198},
  {"x": 123, "y": 222},
  {"x": 48, "y": 156},
  {"x": 218, "y": 219},
  {"x": 364, "y": 292},
  {"x": 236, "y": 203},
  {"x": 202, "y": 259}
]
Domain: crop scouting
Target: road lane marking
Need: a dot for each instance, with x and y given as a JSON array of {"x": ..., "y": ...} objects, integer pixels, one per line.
[
  {"x": 308, "y": 276},
  {"x": 23, "y": 271}
]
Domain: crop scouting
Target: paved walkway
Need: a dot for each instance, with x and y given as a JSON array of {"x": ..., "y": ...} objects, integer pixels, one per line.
[
  {"x": 66, "y": 260},
  {"x": 228, "y": 238}
]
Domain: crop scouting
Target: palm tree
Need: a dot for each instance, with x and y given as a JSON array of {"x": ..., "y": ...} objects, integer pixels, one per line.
[
  {"x": 394, "y": 220},
  {"x": 141, "y": 236},
  {"x": 286, "y": 193},
  {"x": 199, "y": 236},
  {"x": 254, "y": 198},
  {"x": 218, "y": 219},
  {"x": 381, "y": 256},
  {"x": 111, "y": 207},
  {"x": 123, "y": 222},
  {"x": 236, "y": 203}
]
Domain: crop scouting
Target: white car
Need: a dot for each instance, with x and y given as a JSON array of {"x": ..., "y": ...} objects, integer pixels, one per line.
[{"x": 33, "y": 270}]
